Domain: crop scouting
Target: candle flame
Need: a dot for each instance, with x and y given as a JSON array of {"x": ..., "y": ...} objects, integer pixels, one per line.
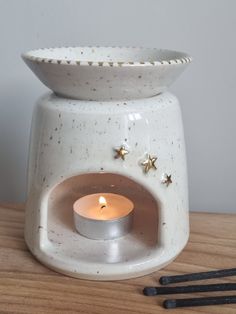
[{"x": 102, "y": 201}]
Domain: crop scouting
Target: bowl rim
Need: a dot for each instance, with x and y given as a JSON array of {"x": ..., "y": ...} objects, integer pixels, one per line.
[{"x": 59, "y": 61}]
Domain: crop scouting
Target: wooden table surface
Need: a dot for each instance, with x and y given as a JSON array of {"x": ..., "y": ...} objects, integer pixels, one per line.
[{"x": 26, "y": 286}]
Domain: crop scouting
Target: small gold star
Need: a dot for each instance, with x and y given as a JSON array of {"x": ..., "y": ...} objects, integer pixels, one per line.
[
  {"x": 167, "y": 179},
  {"x": 149, "y": 163},
  {"x": 121, "y": 152}
]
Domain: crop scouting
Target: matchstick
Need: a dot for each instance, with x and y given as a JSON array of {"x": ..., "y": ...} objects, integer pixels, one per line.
[
  {"x": 151, "y": 291},
  {"x": 165, "y": 280},
  {"x": 171, "y": 304}
]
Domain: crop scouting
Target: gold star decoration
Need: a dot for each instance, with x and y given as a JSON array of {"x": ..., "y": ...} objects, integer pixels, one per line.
[
  {"x": 167, "y": 179},
  {"x": 121, "y": 152},
  {"x": 149, "y": 163}
]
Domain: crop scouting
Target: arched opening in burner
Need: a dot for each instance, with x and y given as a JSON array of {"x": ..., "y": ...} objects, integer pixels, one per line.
[{"x": 142, "y": 240}]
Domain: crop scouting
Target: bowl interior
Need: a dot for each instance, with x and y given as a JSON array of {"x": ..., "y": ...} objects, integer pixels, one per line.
[{"x": 107, "y": 54}]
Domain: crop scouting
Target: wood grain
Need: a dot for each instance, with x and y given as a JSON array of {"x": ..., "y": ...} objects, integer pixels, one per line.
[{"x": 28, "y": 287}]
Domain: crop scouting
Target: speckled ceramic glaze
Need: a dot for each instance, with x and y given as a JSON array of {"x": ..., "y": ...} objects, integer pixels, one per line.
[
  {"x": 101, "y": 105},
  {"x": 98, "y": 73}
]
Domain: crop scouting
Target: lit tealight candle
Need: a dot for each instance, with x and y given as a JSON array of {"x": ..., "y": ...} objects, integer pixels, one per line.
[{"x": 103, "y": 216}]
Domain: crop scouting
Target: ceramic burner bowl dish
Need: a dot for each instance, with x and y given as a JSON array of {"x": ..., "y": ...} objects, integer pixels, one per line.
[
  {"x": 106, "y": 73},
  {"x": 109, "y": 127}
]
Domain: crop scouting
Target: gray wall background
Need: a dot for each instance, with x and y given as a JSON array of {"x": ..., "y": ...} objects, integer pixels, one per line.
[{"x": 203, "y": 28}]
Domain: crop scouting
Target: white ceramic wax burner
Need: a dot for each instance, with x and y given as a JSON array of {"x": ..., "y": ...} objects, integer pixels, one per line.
[{"x": 109, "y": 130}]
